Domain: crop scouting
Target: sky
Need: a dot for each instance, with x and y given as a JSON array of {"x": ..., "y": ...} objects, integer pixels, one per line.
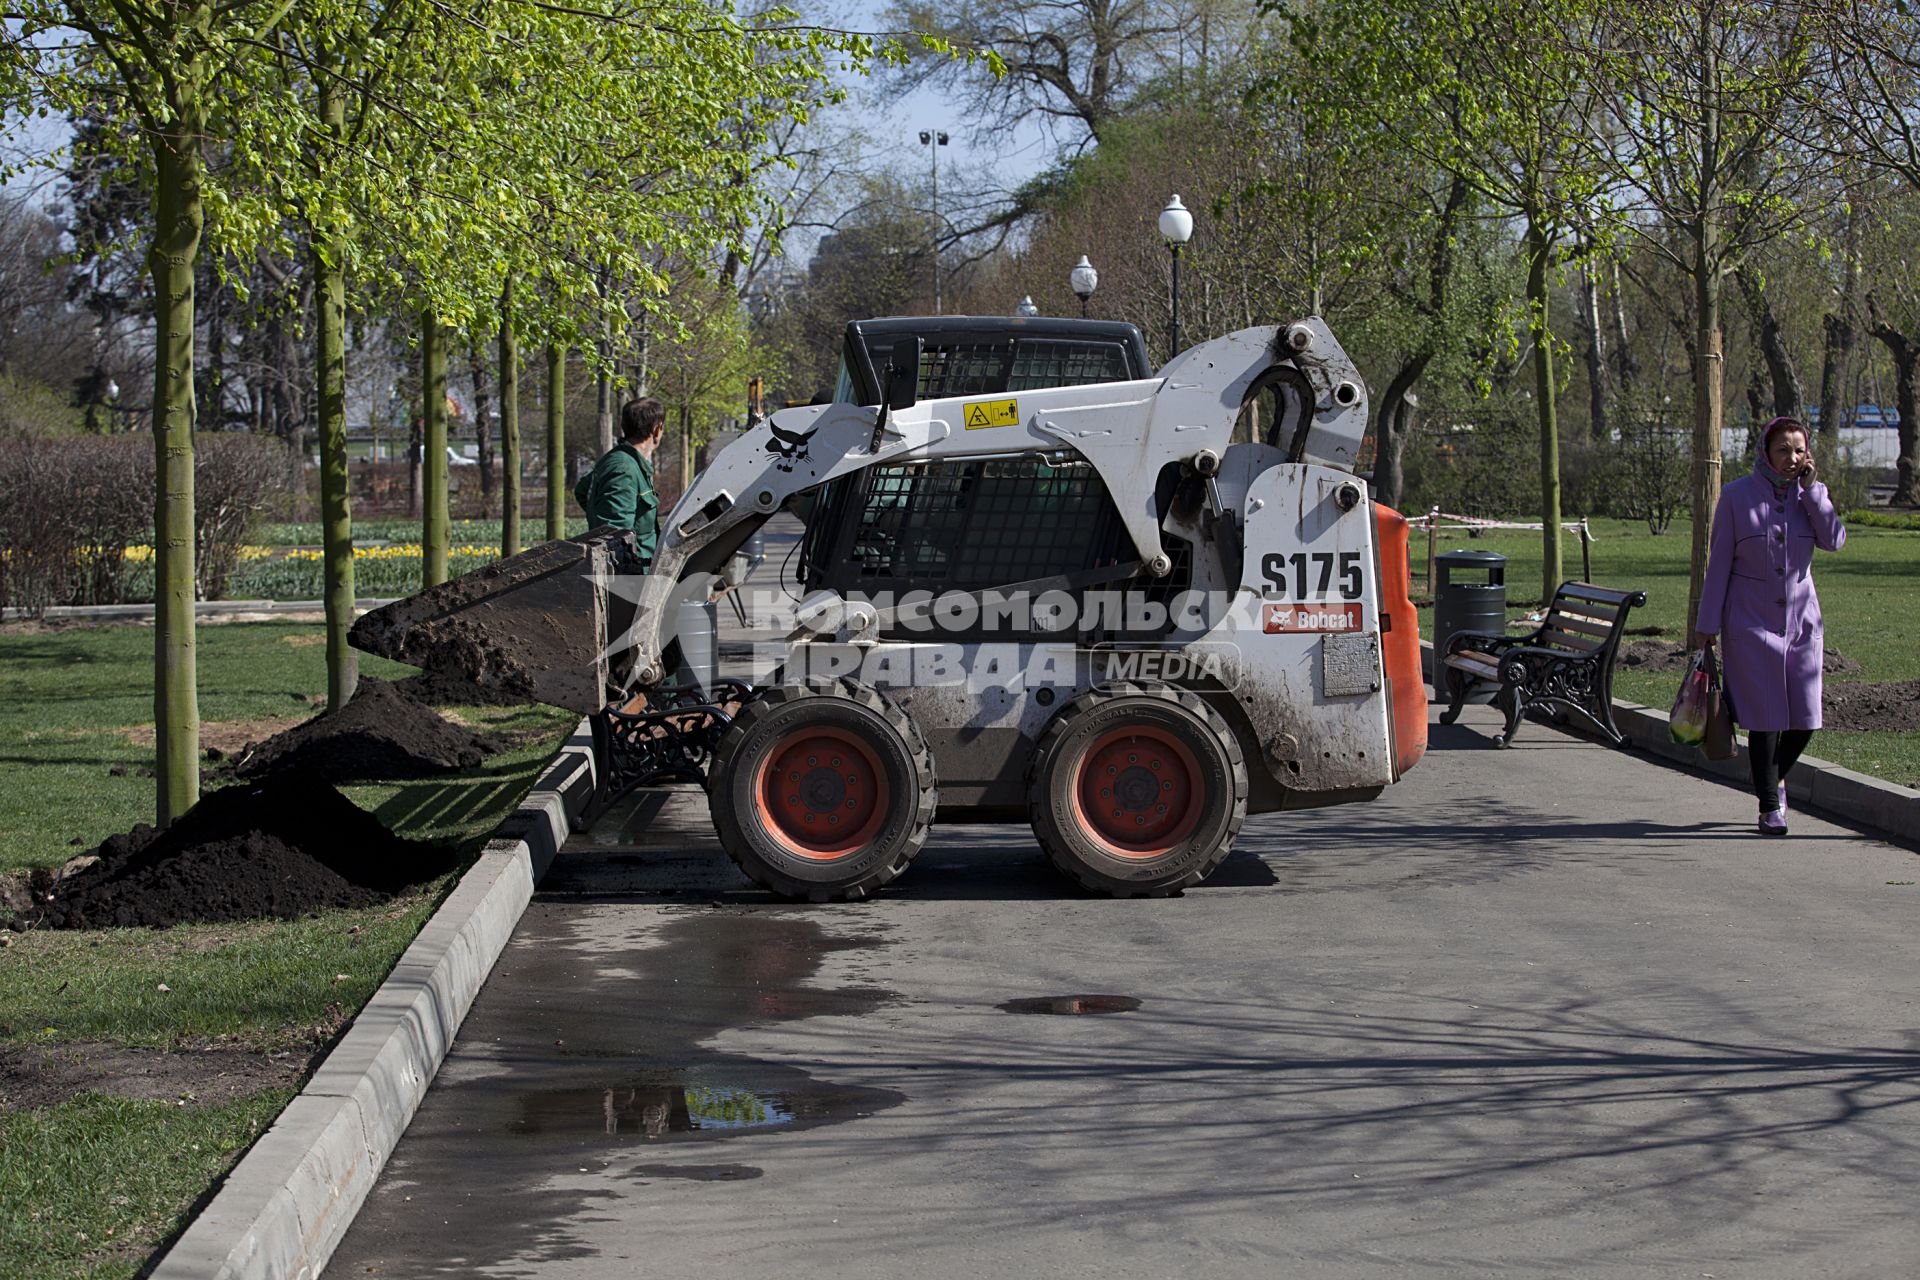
[{"x": 969, "y": 165}]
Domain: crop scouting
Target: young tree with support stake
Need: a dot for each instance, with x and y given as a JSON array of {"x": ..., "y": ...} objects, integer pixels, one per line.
[
  {"x": 1494, "y": 93},
  {"x": 1702, "y": 107},
  {"x": 176, "y": 72}
]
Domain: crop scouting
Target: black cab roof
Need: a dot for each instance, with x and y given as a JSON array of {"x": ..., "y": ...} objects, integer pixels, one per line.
[{"x": 970, "y": 355}]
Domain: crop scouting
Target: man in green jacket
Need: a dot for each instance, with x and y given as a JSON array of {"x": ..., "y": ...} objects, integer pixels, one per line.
[{"x": 619, "y": 489}]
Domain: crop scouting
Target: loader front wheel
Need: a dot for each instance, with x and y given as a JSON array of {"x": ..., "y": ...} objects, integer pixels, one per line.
[
  {"x": 1137, "y": 790},
  {"x": 823, "y": 792}
]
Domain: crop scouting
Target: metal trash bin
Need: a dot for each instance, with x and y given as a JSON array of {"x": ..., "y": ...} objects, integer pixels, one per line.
[{"x": 1469, "y": 594}]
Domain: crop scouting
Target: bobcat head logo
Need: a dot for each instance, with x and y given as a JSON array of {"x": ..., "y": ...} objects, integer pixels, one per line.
[{"x": 788, "y": 447}]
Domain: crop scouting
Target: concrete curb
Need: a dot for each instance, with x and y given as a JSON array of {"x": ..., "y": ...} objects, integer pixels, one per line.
[
  {"x": 284, "y": 1208},
  {"x": 201, "y": 609},
  {"x": 1819, "y": 786}
]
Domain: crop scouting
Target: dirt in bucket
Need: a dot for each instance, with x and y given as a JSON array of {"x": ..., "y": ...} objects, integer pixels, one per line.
[
  {"x": 282, "y": 847},
  {"x": 383, "y": 733}
]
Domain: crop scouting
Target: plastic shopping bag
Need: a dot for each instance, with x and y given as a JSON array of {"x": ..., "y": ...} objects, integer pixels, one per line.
[{"x": 1687, "y": 724}]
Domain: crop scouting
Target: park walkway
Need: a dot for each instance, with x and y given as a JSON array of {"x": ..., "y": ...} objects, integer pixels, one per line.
[{"x": 1561, "y": 1014}]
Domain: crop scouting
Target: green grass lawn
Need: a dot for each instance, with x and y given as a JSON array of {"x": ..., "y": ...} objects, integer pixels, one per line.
[
  {"x": 1869, "y": 596},
  {"x": 89, "y": 1186}
]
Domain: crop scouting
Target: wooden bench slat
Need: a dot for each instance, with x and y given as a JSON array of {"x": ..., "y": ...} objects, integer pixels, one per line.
[
  {"x": 1580, "y": 626},
  {"x": 1478, "y": 664},
  {"x": 1587, "y": 591},
  {"x": 1573, "y": 622},
  {"x": 1571, "y": 640}
]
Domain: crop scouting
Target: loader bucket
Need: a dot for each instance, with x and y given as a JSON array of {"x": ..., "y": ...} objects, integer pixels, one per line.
[{"x": 533, "y": 626}]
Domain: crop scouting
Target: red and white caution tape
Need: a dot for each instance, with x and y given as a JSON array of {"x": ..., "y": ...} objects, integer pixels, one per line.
[{"x": 1433, "y": 519}]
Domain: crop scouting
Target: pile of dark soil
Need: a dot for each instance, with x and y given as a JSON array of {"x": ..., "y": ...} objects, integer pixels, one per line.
[
  {"x": 446, "y": 689},
  {"x": 283, "y": 847},
  {"x": 1667, "y": 655},
  {"x": 383, "y": 733},
  {"x": 1652, "y": 655},
  {"x": 1871, "y": 708}
]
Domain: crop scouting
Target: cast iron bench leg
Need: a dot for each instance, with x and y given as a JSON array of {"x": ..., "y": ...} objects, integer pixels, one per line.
[
  {"x": 1511, "y": 699},
  {"x": 1457, "y": 686}
]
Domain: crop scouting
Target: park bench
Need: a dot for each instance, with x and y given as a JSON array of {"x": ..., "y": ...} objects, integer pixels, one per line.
[{"x": 1565, "y": 665}]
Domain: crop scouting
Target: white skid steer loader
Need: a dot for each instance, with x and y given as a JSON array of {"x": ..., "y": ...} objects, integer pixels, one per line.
[{"x": 1129, "y": 612}]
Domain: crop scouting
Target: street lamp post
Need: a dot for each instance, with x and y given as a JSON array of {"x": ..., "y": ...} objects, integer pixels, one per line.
[
  {"x": 1176, "y": 226},
  {"x": 933, "y": 140},
  {"x": 1026, "y": 307},
  {"x": 1084, "y": 280}
]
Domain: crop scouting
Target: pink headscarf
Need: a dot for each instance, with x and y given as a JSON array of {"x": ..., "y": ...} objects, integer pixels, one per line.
[{"x": 1762, "y": 463}]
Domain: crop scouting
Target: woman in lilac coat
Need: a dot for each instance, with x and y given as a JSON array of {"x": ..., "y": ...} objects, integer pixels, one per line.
[{"x": 1759, "y": 597}]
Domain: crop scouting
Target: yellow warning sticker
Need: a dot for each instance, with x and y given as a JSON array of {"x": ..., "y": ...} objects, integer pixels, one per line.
[{"x": 993, "y": 413}]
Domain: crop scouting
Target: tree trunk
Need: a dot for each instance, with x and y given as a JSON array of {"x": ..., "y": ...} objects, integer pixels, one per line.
[
  {"x": 1757, "y": 406},
  {"x": 509, "y": 429},
  {"x": 1789, "y": 399},
  {"x": 603, "y": 399},
  {"x": 642, "y": 367},
  {"x": 556, "y": 442},
  {"x": 1599, "y": 429},
  {"x": 1906, "y": 484},
  {"x": 482, "y": 422},
  {"x": 336, "y": 509},
  {"x": 1390, "y": 430},
  {"x": 1833, "y": 370},
  {"x": 1624, "y": 365},
  {"x": 1839, "y": 329},
  {"x": 436, "y": 531},
  {"x": 1709, "y": 389},
  {"x": 214, "y": 375},
  {"x": 1906, "y": 362},
  {"x": 178, "y": 217},
  {"x": 1539, "y": 255},
  {"x": 414, "y": 443},
  {"x": 1709, "y": 344}
]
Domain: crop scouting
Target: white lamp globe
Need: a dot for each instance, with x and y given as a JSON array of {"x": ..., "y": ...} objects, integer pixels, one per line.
[
  {"x": 1176, "y": 223},
  {"x": 1085, "y": 279}
]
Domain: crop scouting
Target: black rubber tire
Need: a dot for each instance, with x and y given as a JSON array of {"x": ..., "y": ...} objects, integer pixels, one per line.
[
  {"x": 847, "y": 708},
  {"x": 1221, "y": 792}
]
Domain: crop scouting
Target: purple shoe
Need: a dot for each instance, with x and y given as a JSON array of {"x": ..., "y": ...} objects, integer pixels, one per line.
[
  {"x": 1783, "y": 799},
  {"x": 1773, "y": 823}
]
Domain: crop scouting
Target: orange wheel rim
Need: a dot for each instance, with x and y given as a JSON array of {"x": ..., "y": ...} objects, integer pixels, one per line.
[
  {"x": 821, "y": 793},
  {"x": 1136, "y": 792}
]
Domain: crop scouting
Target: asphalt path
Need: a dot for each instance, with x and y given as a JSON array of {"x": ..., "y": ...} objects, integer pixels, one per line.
[{"x": 1539, "y": 1011}]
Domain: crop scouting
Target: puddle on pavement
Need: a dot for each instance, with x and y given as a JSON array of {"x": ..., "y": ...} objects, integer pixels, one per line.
[
  {"x": 698, "y": 1172},
  {"x": 672, "y": 1106},
  {"x": 645, "y": 1071},
  {"x": 1071, "y": 1004}
]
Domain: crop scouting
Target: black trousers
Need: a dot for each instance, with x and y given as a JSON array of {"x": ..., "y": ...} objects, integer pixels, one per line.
[{"x": 1769, "y": 756}]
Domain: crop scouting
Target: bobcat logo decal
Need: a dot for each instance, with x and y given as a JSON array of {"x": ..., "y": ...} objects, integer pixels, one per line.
[{"x": 788, "y": 446}]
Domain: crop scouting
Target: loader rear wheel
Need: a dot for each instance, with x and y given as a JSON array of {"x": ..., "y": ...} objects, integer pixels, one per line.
[
  {"x": 1137, "y": 790},
  {"x": 823, "y": 792}
]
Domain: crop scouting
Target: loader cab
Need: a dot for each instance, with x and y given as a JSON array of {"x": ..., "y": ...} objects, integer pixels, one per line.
[{"x": 970, "y": 525}]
